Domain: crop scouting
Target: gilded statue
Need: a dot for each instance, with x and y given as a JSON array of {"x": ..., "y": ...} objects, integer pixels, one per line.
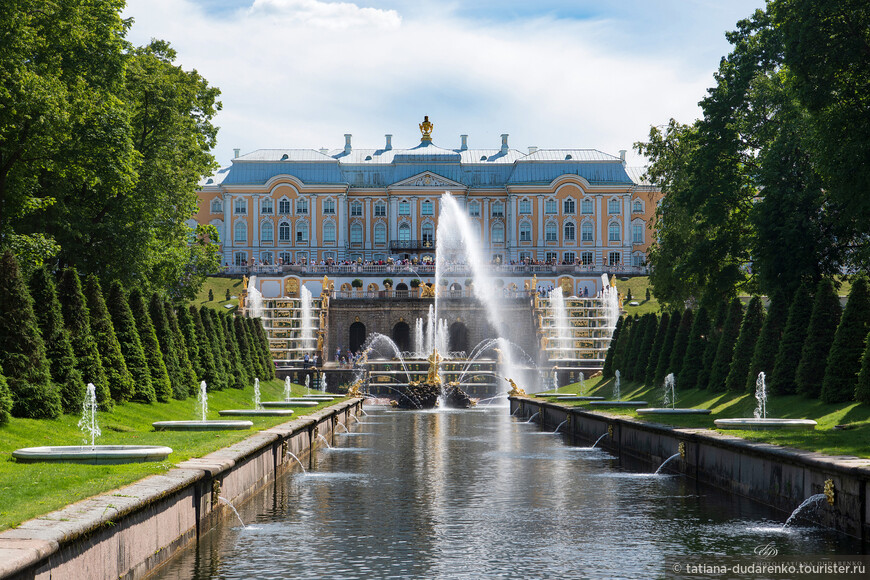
[
  {"x": 426, "y": 128},
  {"x": 355, "y": 389},
  {"x": 434, "y": 360},
  {"x": 427, "y": 290},
  {"x": 515, "y": 390},
  {"x": 244, "y": 282}
]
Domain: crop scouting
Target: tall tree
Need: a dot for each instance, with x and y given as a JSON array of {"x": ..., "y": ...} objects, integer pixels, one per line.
[
  {"x": 713, "y": 337},
  {"x": 5, "y": 400},
  {"x": 781, "y": 381},
  {"x": 745, "y": 346},
  {"x": 658, "y": 343},
  {"x": 205, "y": 354},
  {"x": 694, "y": 359},
  {"x": 189, "y": 375},
  {"x": 725, "y": 348},
  {"x": 621, "y": 344},
  {"x": 607, "y": 370},
  {"x": 247, "y": 356},
  {"x": 59, "y": 351},
  {"x": 160, "y": 379},
  {"x": 242, "y": 368},
  {"x": 191, "y": 340},
  {"x": 844, "y": 360},
  {"x": 769, "y": 338},
  {"x": 645, "y": 347},
  {"x": 820, "y": 335},
  {"x": 131, "y": 345},
  {"x": 22, "y": 351},
  {"x": 117, "y": 374},
  {"x": 267, "y": 350},
  {"x": 218, "y": 346},
  {"x": 78, "y": 322},
  {"x": 664, "y": 359},
  {"x": 681, "y": 342},
  {"x": 167, "y": 347},
  {"x": 862, "y": 388}
]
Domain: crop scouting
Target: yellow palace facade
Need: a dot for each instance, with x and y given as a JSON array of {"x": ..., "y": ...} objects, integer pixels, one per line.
[{"x": 278, "y": 209}]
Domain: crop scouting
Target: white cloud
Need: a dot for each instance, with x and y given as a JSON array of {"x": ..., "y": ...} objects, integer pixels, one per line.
[{"x": 301, "y": 73}]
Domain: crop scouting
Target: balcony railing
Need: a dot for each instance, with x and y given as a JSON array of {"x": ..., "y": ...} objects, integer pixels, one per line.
[
  {"x": 421, "y": 270},
  {"x": 414, "y": 245}
]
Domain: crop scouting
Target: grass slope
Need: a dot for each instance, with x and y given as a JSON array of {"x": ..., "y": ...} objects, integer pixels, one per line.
[
  {"x": 855, "y": 440},
  {"x": 28, "y": 490},
  {"x": 638, "y": 286},
  {"x": 219, "y": 286}
]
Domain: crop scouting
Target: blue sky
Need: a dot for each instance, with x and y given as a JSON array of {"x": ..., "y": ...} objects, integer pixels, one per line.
[{"x": 301, "y": 73}]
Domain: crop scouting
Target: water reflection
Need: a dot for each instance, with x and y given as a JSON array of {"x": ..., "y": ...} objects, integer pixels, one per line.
[{"x": 476, "y": 495}]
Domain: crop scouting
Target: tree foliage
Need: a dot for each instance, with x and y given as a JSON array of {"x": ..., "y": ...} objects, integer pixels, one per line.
[
  {"x": 681, "y": 342},
  {"x": 725, "y": 348},
  {"x": 205, "y": 354},
  {"x": 118, "y": 376},
  {"x": 664, "y": 356},
  {"x": 769, "y": 338},
  {"x": 181, "y": 350},
  {"x": 657, "y": 345},
  {"x": 794, "y": 334},
  {"x": 820, "y": 335},
  {"x": 607, "y": 370},
  {"x": 160, "y": 379},
  {"x": 844, "y": 360},
  {"x": 745, "y": 346},
  {"x": 130, "y": 343},
  {"x": 5, "y": 400}
]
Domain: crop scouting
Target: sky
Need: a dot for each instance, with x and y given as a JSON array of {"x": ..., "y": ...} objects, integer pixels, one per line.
[{"x": 299, "y": 74}]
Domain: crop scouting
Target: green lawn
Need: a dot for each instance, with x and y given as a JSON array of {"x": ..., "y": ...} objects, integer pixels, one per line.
[
  {"x": 638, "y": 286},
  {"x": 29, "y": 490},
  {"x": 219, "y": 286},
  {"x": 855, "y": 440}
]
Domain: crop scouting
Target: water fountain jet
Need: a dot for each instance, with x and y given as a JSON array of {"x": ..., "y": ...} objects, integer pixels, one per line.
[{"x": 760, "y": 421}]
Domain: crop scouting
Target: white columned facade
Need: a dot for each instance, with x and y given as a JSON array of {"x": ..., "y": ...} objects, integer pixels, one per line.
[
  {"x": 393, "y": 219},
  {"x": 228, "y": 228},
  {"x": 312, "y": 225},
  {"x": 255, "y": 226}
]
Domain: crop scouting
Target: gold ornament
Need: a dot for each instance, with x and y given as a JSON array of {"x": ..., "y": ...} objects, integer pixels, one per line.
[{"x": 426, "y": 129}]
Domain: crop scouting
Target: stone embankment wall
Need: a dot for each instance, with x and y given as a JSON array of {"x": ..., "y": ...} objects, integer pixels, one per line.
[
  {"x": 776, "y": 476},
  {"x": 130, "y": 531}
]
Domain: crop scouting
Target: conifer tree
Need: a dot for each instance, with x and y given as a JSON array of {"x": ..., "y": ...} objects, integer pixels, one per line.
[
  {"x": 725, "y": 348},
  {"x": 61, "y": 360},
  {"x": 77, "y": 319},
  {"x": 5, "y": 400},
  {"x": 190, "y": 378},
  {"x": 210, "y": 295},
  {"x": 117, "y": 374},
  {"x": 256, "y": 349},
  {"x": 131, "y": 344},
  {"x": 628, "y": 328},
  {"x": 793, "y": 336},
  {"x": 637, "y": 333},
  {"x": 646, "y": 346},
  {"x": 243, "y": 367},
  {"x": 205, "y": 355},
  {"x": 167, "y": 347},
  {"x": 844, "y": 360},
  {"x": 248, "y": 357},
  {"x": 221, "y": 362},
  {"x": 862, "y": 389},
  {"x": 658, "y": 343},
  {"x": 267, "y": 351},
  {"x": 681, "y": 342},
  {"x": 191, "y": 340},
  {"x": 607, "y": 369},
  {"x": 820, "y": 336},
  {"x": 693, "y": 360},
  {"x": 160, "y": 380},
  {"x": 22, "y": 351},
  {"x": 769, "y": 338},
  {"x": 713, "y": 336},
  {"x": 745, "y": 346},
  {"x": 664, "y": 360}
]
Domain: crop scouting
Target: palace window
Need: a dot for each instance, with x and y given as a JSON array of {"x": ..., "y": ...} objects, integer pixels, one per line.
[
  {"x": 637, "y": 206},
  {"x": 240, "y": 257},
  {"x": 637, "y": 233},
  {"x": 551, "y": 234},
  {"x": 570, "y": 257},
  {"x": 329, "y": 233},
  {"x": 587, "y": 233},
  {"x": 613, "y": 232},
  {"x": 302, "y": 257},
  {"x": 498, "y": 209},
  {"x": 240, "y": 206},
  {"x": 328, "y": 207},
  {"x": 284, "y": 232},
  {"x": 614, "y": 207},
  {"x": 404, "y": 207},
  {"x": 586, "y": 207},
  {"x": 525, "y": 256},
  {"x": 525, "y": 206},
  {"x": 301, "y": 205},
  {"x": 356, "y": 209},
  {"x": 474, "y": 209},
  {"x": 569, "y": 206},
  {"x": 498, "y": 233},
  {"x": 240, "y": 232},
  {"x": 426, "y": 207},
  {"x": 217, "y": 205},
  {"x": 569, "y": 232},
  {"x": 613, "y": 259},
  {"x": 428, "y": 233},
  {"x": 284, "y": 205},
  {"x": 380, "y": 209},
  {"x": 285, "y": 257},
  {"x": 525, "y": 232},
  {"x": 404, "y": 233},
  {"x": 327, "y": 256},
  {"x": 266, "y": 206},
  {"x": 551, "y": 257},
  {"x": 380, "y": 234},
  {"x": 356, "y": 234},
  {"x": 637, "y": 260},
  {"x": 302, "y": 232},
  {"x": 266, "y": 258},
  {"x": 551, "y": 207},
  {"x": 586, "y": 258},
  {"x": 267, "y": 232}
]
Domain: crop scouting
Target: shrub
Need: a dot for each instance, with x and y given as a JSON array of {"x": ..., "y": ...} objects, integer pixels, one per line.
[
  {"x": 415, "y": 283},
  {"x": 725, "y": 348},
  {"x": 638, "y": 331},
  {"x": 160, "y": 379},
  {"x": 628, "y": 324},
  {"x": 388, "y": 283},
  {"x": 715, "y": 334},
  {"x": 210, "y": 295},
  {"x": 5, "y": 400},
  {"x": 664, "y": 356},
  {"x": 267, "y": 352},
  {"x": 117, "y": 374},
  {"x": 205, "y": 353},
  {"x": 356, "y": 283},
  {"x": 61, "y": 359},
  {"x": 167, "y": 348},
  {"x": 607, "y": 370},
  {"x": 131, "y": 344},
  {"x": 249, "y": 360},
  {"x": 793, "y": 336},
  {"x": 681, "y": 342},
  {"x": 649, "y": 371},
  {"x": 242, "y": 367},
  {"x": 745, "y": 347},
  {"x": 764, "y": 356},
  {"x": 697, "y": 344},
  {"x": 628, "y": 295},
  {"x": 181, "y": 350},
  {"x": 862, "y": 389},
  {"x": 22, "y": 351},
  {"x": 647, "y": 295},
  {"x": 227, "y": 296},
  {"x": 845, "y": 357},
  {"x": 645, "y": 347},
  {"x": 820, "y": 336}
]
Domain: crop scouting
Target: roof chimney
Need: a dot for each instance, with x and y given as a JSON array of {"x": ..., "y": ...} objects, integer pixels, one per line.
[
  {"x": 347, "y": 147},
  {"x": 533, "y": 149},
  {"x": 389, "y": 144},
  {"x": 504, "y": 143},
  {"x": 464, "y": 142},
  {"x": 622, "y": 155},
  {"x": 236, "y": 153}
]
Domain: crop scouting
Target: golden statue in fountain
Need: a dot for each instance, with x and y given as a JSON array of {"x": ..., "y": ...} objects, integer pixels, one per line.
[
  {"x": 355, "y": 390},
  {"x": 515, "y": 390},
  {"x": 434, "y": 361}
]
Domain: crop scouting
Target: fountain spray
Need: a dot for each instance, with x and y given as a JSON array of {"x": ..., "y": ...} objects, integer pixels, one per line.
[
  {"x": 202, "y": 398},
  {"x": 257, "y": 404},
  {"x": 761, "y": 397},
  {"x": 88, "y": 422},
  {"x": 287, "y": 388}
]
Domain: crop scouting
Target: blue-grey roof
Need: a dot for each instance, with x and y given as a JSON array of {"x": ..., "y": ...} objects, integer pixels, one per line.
[{"x": 473, "y": 168}]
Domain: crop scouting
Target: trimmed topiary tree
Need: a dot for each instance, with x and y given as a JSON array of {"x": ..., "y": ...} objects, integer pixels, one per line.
[
  {"x": 255, "y": 347},
  {"x": 267, "y": 350},
  {"x": 167, "y": 348},
  {"x": 5, "y": 400},
  {"x": 714, "y": 335},
  {"x": 844, "y": 359},
  {"x": 181, "y": 350},
  {"x": 243, "y": 369},
  {"x": 191, "y": 340},
  {"x": 61, "y": 360},
  {"x": 160, "y": 380},
  {"x": 223, "y": 365},
  {"x": 120, "y": 380},
  {"x": 628, "y": 324},
  {"x": 658, "y": 343},
  {"x": 664, "y": 361},
  {"x": 131, "y": 344},
  {"x": 764, "y": 356},
  {"x": 693, "y": 360},
  {"x": 646, "y": 346},
  {"x": 607, "y": 369},
  {"x": 248, "y": 356},
  {"x": 793, "y": 336},
  {"x": 862, "y": 388},
  {"x": 725, "y": 349},
  {"x": 681, "y": 342},
  {"x": 22, "y": 351},
  {"x": 205, "y": 354},
  {"x": 633, "y": 352},
  {"x": 820, "y": 336},
  {"x": 77, "y": 319},
  {"x": 210, "y": 295},
  {"x": 745, "y": 346}
]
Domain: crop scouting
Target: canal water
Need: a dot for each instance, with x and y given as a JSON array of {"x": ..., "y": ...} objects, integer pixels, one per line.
[{"x": 479, "y": 494}]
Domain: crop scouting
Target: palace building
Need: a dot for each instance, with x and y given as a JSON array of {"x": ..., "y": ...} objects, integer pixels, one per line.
[{"x": 278, "y": 208}]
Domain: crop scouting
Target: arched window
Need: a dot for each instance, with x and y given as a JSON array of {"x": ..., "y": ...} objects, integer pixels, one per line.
[
  {"x": 637, "y": 206},
  {"x": 380, "y": 209},
  {"x": 356, "y": 209},
  {"x": 380, "y": 233},
  {"x": 587, "y": 233},
  {"x": 284, "y": 232},
  {"x": 474, "y": 209},
  {"x": 613, "y": 206},
  {"x": 428, "y": 233},
  {"x": 240, "y": 206},
  {"x": 498, "y": 233},
  {"x": 613, "y": 232},
  {"x": 356, "y": 234},
  {"x": 301, "y": 205},
  {"x": 498, "y": 209},
  {"x": 569, "y": 232},
  {"x": 586, "y": 207},
  {"x": 217, "y": 205},
  {"x": 240, "y": 232},
  {"x": 551, "y": 233},
  {"x": 284, "y": 205},
  {"x": 568, "y": 206},
  {"x": 525, "y": 232},
  {"x": 328, "y": 207},
  {"x": 329, "y": 232},
  {"x": 404, "y": 233},
  {"x": 404, "y": 207},
  {"x": 551, "y": 207},
  {"x": 302, "y": 232},
  {"x": 426, "y": 207},
  {"x": 266, "y": 206},
  {"x": 525, "y": 206},
  {"x": 267, "y": 232}
]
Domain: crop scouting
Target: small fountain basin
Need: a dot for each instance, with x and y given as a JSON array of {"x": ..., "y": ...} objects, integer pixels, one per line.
[
  {"x": 752, "y": 424},
  {"x": 92, "y": 454},
  {"x": 291, "y": 403},
  {"x": 256, "y": 412},
  {"x": 671, "y": 411},
  {"x": 319, "y": 397},
  {"x": 576, "y": 398},
  {"x": 201, "y": 425},
  {"x": 618, "y": 403}
]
